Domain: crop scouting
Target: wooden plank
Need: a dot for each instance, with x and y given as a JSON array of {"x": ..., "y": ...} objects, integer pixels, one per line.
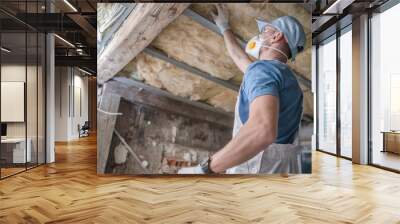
[
  {"x": 135, "y": 91},
  {"x": 144, "y": 23},
  {"x": 160, "y": 92},
  {"x": 107, "y": 31},
  {"x": 109, "y": 102}
]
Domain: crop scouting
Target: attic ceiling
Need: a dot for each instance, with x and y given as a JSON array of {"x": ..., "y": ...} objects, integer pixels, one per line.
[{"x": 187, "y": 41}]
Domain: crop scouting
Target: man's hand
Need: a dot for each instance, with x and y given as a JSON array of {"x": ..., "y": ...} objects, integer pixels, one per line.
[
  {"x": 237, "y": 54},
  {"x": 191, "y": 170},
  {"x": 222, "y": 19}
]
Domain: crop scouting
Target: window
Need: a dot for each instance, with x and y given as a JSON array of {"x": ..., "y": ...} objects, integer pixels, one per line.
[
  {"x": 385, "y": 89},
  {"x": 346, "y": 93},
  {"x": 327, "y": 96}
]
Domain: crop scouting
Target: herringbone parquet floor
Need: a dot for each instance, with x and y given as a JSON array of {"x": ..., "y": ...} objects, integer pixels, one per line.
[{"x": 69, "y": 191}]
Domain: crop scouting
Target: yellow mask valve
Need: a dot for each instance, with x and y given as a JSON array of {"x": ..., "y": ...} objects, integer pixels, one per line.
[{"x": 252, "y": 44}]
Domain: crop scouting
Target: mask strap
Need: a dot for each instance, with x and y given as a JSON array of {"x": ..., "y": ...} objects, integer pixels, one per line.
[{"x": 276, "y": 49}]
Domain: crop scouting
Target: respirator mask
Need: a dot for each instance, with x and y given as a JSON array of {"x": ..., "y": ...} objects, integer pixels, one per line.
[{"x": 255, "y": 44}]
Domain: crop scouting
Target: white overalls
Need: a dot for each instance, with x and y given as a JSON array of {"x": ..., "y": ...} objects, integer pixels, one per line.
[{"x": 276, "y": 158}]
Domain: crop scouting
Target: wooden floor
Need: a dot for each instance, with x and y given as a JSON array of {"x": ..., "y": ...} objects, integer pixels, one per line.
[
  {"x": 10, "y": 171},
  {"x": 69, "y": 191},
  {"x": 387, "y": 159}
]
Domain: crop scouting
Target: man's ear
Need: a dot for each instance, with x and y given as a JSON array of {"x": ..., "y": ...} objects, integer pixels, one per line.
[{"x": 278, "y": 36}]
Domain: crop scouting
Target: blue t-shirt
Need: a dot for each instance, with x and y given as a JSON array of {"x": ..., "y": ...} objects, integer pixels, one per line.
[{"x": 273, "y": 78}]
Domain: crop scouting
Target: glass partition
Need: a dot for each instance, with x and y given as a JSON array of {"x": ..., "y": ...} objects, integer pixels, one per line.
[
  {"x": 22, "y": 78},
  {"x": 14, "y": 153},
  {"x": 32, "y": 99},
  {"x": 41, "y": 88}
]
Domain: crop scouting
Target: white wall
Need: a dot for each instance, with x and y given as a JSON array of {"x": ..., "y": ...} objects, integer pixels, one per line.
[
  {"x": 79, "y": 117},
  {"x": 61, "y": 103},
  {"x": 70, "y": 82},
  {"x": 33, "y": 127},
  {"x": 12, "y": 73}
]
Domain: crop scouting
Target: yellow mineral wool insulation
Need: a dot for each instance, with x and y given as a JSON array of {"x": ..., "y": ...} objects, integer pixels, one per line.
[
  {"x": 296, "y": 10},
  {"x": 302, "y": 64},
  {"x": 130, "y": 71},
  {"x": 242, "y": 21},
  {"x": 237, "y": 79},
  {"x": 242, "y": 15},
  {"x": 166, "y": 76},
  {"x": 179, "y": 82},
  {"x": 308, "y": 103},
  {"x": 225, "y": 100},
  {"x": 189, "y": 42}
]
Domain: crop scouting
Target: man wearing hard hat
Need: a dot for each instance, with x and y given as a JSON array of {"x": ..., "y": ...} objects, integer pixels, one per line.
[{"x": 269, "y": 106}]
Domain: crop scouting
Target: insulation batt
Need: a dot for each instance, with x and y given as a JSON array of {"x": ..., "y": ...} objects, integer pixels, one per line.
[
  {"x": 188, "y": 41},
  {"x": 166, "y": 76}
]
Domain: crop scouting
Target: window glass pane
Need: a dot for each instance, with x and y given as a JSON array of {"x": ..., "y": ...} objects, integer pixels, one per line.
[
  {"x": 31, "y": 97},
  {"x": 327, "y": 97},
  {"x": 345, "y": 94},
  {"x": 41, "y": 99},
  {"x": 385, "y": 84}
]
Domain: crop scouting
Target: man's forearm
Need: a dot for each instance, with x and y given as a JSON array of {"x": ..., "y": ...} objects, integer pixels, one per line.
[
  {"x": 251, "y": 139},
  {"x": 236, "y": 52}
]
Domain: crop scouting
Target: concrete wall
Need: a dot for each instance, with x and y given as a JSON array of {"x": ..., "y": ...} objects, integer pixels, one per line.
[{"x": 71, "y": 102}]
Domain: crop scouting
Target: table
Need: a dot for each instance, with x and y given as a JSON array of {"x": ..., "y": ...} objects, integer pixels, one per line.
[
  {"x": 13, "y": 150},
  {"x": 391, "y": 141}
]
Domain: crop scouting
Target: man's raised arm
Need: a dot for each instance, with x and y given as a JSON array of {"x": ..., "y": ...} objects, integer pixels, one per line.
[
  {"x": 237, "y": 54},
  {"x": 256, "y": 134}
]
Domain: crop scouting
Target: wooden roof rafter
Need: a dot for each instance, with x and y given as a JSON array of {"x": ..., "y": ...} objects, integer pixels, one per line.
[{"x": 134, "y": 35}]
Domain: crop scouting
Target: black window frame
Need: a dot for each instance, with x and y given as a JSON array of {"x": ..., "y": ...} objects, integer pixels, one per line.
[{"x": 333, "y": 33}]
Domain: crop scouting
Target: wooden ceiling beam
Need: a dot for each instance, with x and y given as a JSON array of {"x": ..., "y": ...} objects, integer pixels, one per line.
[{"x": 141, "y": 27}]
